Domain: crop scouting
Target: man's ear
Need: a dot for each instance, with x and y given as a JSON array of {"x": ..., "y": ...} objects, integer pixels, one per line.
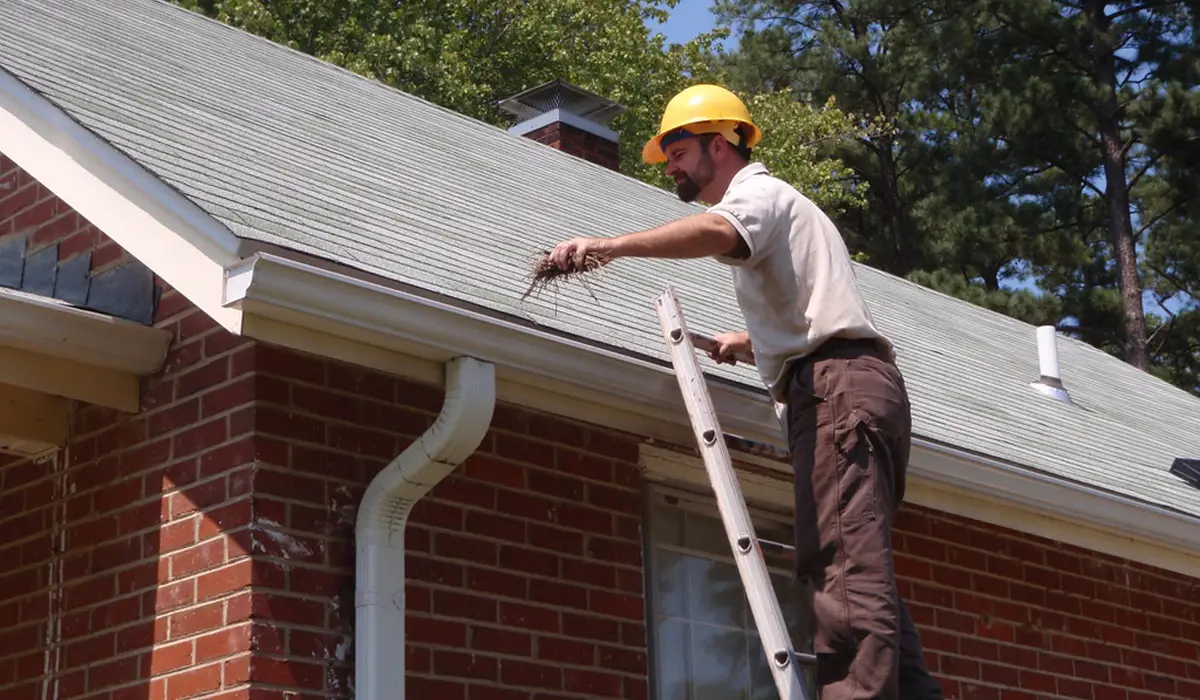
[{"x": 724, "y": 148}]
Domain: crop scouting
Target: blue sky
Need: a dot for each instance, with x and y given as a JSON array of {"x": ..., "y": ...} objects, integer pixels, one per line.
[{"x": 689, "y": 19}]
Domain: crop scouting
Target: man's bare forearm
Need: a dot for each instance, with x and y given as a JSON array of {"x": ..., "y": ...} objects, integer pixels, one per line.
[{"x": 697, "y": 236}]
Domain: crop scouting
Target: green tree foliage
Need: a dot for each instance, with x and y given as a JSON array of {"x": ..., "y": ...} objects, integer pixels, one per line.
[
  {"x": 1040, "y": 139},
  {"x": 797, "y": 134},
  {"x": 1089, "y": 94}
]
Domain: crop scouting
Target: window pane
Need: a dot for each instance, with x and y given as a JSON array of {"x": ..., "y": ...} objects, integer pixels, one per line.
[
  {"x": 793, "y": 602},
  {"x": 671, "y": 651},
  {"x": 707, "y": 535},
  {"x": 670, "y": 581},
  {"x": 763, "y": 683},
  {"x": 715, "y": 592},
  {"x": 776, "y": 556},
  {"x": 719, "y": 663},
  {"x": 667, "y": 525}
]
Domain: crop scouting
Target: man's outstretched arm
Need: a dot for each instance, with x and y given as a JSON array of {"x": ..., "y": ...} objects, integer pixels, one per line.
[{"x": 696, "y": 236}]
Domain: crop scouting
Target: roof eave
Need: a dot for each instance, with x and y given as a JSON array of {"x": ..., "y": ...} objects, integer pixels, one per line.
[{"x": 633, "y": 393}]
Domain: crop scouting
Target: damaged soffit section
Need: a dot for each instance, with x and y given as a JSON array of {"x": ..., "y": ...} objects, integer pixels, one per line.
[{"x": 126, "y": 291}]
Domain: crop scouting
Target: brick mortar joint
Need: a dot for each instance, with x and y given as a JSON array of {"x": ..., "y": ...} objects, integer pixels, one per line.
[
  {"x": 534, "y": 689},
  {"x": 500, "y": 597},
  {"x": 1116, "y": 665},
  {"x": 525, "y": 544}
]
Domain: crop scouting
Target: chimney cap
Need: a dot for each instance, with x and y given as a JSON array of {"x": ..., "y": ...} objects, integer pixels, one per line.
[{"x": 558, "y": 94}]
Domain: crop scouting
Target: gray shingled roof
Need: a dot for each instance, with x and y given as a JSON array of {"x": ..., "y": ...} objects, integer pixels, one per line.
[{"x": 290, "y": 151}]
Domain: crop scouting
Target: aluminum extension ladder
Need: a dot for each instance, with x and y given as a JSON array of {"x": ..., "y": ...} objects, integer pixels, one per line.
[{"x": 783, "y": 660}]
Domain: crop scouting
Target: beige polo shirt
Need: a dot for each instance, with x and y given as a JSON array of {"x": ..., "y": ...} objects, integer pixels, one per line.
[{"x": 797, "y": 287}]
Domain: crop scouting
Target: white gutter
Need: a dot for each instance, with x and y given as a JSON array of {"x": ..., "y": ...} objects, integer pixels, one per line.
[
  {"x": 307, "y": 296},
  {"x": 379, "y": 596},
  {"x": 268, "y": 286}
]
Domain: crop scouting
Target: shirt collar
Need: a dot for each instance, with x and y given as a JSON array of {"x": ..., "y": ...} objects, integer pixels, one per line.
[{"x": 748, "y": 171}]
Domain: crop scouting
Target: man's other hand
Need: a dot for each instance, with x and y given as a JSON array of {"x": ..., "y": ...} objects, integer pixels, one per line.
[{"x": 729, "y": 346}]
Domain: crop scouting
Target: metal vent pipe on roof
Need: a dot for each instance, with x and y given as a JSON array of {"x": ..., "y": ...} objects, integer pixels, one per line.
[{"x": 1050, "y": 381}]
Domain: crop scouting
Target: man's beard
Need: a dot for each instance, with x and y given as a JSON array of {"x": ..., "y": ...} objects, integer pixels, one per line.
[{"x": 689, "y": 189}]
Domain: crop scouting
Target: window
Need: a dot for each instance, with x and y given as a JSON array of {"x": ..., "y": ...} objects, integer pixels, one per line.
[{"x": 702, "y": 638}]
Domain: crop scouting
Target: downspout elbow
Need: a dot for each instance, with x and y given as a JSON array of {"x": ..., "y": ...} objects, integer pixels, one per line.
[{"x": 379, "y": 533}]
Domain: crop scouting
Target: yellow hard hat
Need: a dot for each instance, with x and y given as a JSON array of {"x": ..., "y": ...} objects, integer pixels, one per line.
[{"x": 702, "y": 109}]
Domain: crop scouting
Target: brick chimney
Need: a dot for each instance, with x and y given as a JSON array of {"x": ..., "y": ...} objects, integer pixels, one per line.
[{"x": 568, "y": 118}]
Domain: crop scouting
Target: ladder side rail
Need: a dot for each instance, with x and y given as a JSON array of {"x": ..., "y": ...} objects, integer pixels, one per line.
[{"x": 743, "y": 541}]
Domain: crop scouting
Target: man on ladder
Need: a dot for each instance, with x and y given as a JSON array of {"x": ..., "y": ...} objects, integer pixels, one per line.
[{"x": 818, "y": 351}]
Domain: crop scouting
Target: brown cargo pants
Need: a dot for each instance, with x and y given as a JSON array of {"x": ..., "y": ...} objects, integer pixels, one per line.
[{"x": 849, "y": 430}]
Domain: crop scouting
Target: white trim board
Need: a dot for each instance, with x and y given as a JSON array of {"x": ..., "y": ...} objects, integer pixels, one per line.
[
  {"x": 561, "y": 115},
  {"x": 268, "y": 288},
  {"x": 57, "y": 329},
  {"x": 154, "y": 223}
]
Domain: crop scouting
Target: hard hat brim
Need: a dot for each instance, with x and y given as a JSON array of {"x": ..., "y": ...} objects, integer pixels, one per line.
[{"x": 652, "y": 151}]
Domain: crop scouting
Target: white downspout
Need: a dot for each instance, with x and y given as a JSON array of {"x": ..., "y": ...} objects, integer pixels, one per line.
[{"x": 379, "y": 569}]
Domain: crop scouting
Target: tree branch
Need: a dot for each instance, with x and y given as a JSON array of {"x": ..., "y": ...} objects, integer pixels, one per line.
[
  {"x": 1179, "y": 285},
  {"x": 1138, "y": 8},
  {"x": 1084, "y": 68},
  {"x": 1162, "y": 304},
  {"x": 1157, "y": 218},
  {"x": 1142, "y": 171}
]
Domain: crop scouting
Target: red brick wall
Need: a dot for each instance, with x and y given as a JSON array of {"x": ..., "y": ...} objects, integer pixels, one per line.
[
  {"x": 204, "y": 547},
  {"x": 524, "y": 567},
  {"x": 579, "y": 143},
  {"x": 1010, "y": 616},
  {"x": 28, "y": 208}
]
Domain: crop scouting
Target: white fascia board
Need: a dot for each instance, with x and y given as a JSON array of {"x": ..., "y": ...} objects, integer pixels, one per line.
[
  {"x": 306, "y": 296},
  {"x": 56, "y": 329},
  {"x": 151, "y": 221}
]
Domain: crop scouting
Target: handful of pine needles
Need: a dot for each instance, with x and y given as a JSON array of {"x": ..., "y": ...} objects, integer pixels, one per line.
[{"x": 545, "y": 273}]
